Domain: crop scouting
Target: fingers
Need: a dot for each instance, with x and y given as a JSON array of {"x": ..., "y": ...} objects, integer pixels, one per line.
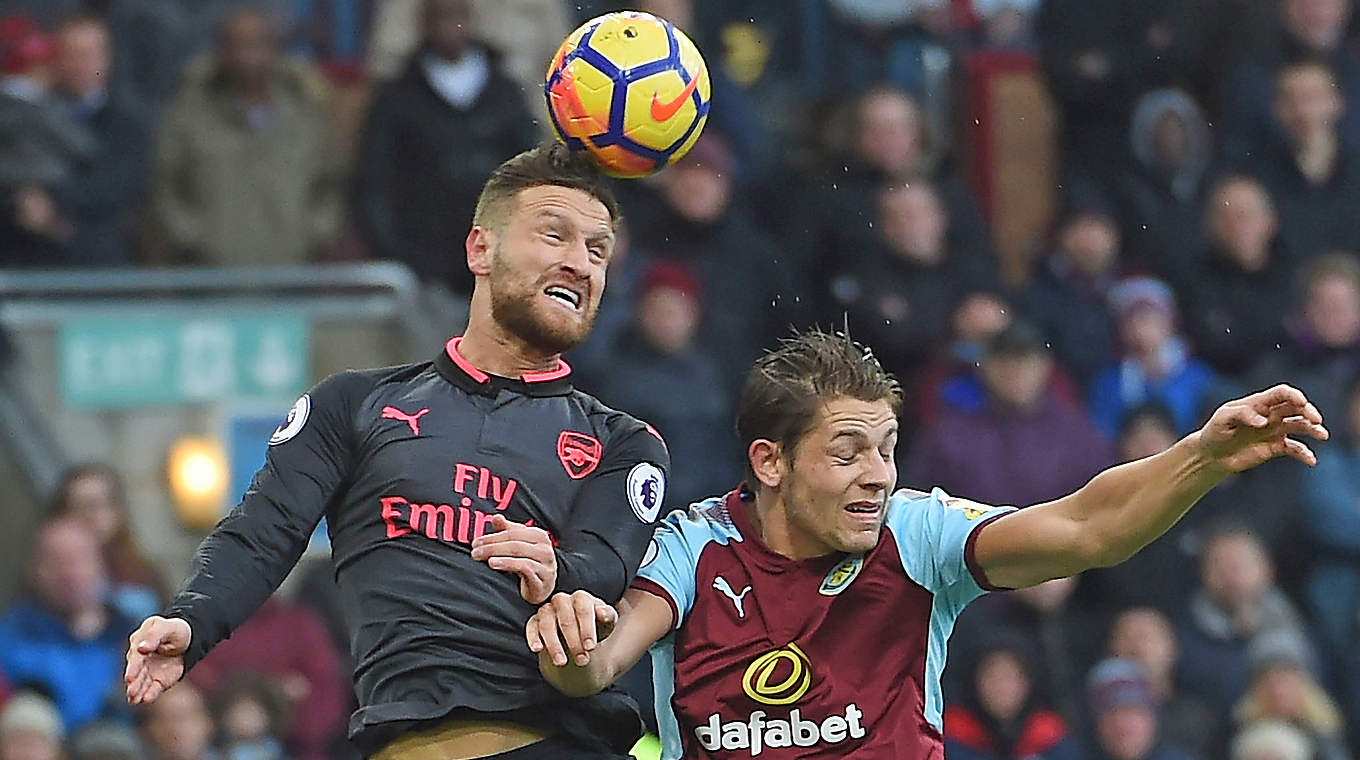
[
  {"x": 584, "y": 605},
  {"x": 504, "y": 529},
  {"x": 1299, "y": 451},
  {"x": 605, "y": 618},
  {"x": 1302, "y": 426},
  {"x": 513, "y": 548},
  {"x": 548, "y": 640},
  {"x": 1279, "y": 394},
  {"x": 569, "y": 627}
]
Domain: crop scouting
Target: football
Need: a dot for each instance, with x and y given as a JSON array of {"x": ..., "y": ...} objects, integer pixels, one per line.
[{"x": 631, "y": 89}]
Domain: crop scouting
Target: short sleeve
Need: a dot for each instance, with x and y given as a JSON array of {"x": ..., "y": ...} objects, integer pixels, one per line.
[
  {"x": 672, "y": 558},
  {"x": 935, "y": 534}
]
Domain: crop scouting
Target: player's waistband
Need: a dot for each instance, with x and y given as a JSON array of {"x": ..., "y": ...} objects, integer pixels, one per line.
[{"x": 457, "y": 739}]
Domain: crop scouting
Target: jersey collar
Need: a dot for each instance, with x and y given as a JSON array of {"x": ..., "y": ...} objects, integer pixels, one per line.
[{"x": 461, "y": 373}]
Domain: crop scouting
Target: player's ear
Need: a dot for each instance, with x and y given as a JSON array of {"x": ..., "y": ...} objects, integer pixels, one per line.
[
  {"x": 480, "y": 244},
  {"x": 766, "y": 458}
]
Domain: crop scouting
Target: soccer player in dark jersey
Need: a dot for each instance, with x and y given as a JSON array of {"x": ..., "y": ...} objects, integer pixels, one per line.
[
  {"x": 806, "y": 613},
  {"x": 459, "y": 494}
]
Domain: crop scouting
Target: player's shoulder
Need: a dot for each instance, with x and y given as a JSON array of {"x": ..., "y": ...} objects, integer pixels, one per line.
[
  {"x": 615, "y": 423},
  {"x": 700, "y": 523},
  {"x": 907, "y": 506},
  {"x": 359, "y": 383}
]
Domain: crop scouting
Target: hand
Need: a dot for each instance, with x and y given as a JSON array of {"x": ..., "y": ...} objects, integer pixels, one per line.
[
  {"x": 580, "y": 620},
  {"x": 1248, "y": 431},
  {"x": 155, "y": 657},
  {"x": 524, "y": 550}
]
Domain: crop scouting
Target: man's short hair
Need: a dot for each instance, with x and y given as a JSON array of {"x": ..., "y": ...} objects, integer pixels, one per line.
[
  {"x": 786, "y": 387},
  {"x": 546, "y": 164}
]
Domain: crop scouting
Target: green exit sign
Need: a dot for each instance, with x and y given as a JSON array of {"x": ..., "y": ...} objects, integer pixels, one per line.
[{"x": 178, "y": 358}]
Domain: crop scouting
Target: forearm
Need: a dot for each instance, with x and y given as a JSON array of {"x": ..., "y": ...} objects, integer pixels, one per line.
[
  {"x": 575, "y": 680},
  {"x": 1126, "y": 507}
]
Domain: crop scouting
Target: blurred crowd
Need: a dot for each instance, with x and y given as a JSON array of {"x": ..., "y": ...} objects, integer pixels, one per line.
[{"x": 1204, "y": 243}]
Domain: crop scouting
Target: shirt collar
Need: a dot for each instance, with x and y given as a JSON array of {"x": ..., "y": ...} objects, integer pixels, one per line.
[{"x": 459, "y": 371}]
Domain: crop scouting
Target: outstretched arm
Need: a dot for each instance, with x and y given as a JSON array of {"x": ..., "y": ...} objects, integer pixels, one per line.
[
  {"x": 584, "y": 645},
  {"x": 1126, "y": 507}
]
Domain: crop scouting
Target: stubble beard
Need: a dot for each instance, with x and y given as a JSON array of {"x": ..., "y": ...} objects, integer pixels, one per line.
[{"x": 516, "y": 311}]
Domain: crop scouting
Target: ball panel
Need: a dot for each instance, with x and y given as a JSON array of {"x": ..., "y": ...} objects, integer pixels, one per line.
[
  {"x": 692, "y": 62},
  {"x": 631, "y": 39},
  {"x": 579, "y": 100},
  {"x": 659, "y": 109}
]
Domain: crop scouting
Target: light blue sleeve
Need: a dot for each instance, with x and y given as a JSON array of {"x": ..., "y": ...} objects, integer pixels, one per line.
[
  {"x": 932, "y": 531},
  {"x": 672, "y": 558}
]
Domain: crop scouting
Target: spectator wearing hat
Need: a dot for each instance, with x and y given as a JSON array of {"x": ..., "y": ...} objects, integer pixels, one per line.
[
  {"x": 30, "y": 729},
  {"x": 1024, "y": 446},
  {"x": 659, "y": 371},
  {"x": 1271, "y": 740},
  {"x": 1161, "y": 195},
  {"x": 691, "y": 214},
  {"x": 107, "y": 740},
  {"x": 1002, "y": 712},
  {"x": 1235, "y": 603},
  {"x": 1283, "y": 687},
  {"x": 1124, "y": 713},
  {"x": 1066, "y": 296},
  {"x": 1146, "y": 636},
  {"x": 951, "y": 380},
  {"x": 41, "y": 147},
  {"x": 1156, "y": 365}
]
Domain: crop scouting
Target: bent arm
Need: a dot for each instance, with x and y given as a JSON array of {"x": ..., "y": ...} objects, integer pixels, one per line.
[{"x": 643, "y": 619}]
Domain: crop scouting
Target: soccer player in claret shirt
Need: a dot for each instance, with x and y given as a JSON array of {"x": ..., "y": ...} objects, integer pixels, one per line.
[
  {"x": 459, "y": 493},
  {"x": 805, "y": 614}
]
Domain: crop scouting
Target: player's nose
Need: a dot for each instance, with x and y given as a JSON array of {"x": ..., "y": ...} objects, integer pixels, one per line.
[{"x": 878, "y": 471}]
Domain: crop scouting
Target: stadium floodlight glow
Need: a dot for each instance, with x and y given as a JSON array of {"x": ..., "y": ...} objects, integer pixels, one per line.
[{"x": 197, "y": 472}]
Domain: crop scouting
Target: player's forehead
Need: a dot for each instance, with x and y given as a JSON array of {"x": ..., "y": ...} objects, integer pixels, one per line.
[
  {"x": 852, "y": 417},
  {"x": 564, "y": 204}
]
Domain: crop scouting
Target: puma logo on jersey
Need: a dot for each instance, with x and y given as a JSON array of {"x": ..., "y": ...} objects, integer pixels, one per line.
[
  {"x": 720, "y": 583},
  {"x": 393, "y": 413}
]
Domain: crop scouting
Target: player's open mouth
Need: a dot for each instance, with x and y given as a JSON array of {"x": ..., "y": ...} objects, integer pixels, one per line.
[
  {"x": 865, "y": 508},
  {"x": 564, "y": 295}
]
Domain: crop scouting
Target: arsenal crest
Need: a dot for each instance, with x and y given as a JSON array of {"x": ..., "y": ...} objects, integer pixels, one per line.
[{"x": 580, "y": 454}]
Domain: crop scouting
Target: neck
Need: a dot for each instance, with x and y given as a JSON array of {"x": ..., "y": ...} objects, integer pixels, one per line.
[
  {"x": 1316, "y": 156},
  {"x": 770, "y": 515},
  {"x": 491, "y": 348}
]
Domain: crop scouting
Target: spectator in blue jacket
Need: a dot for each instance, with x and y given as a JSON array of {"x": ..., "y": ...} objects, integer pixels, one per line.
[
  {"x": 63, "y": 638},
  {"x": 1156, "y": 366}
]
